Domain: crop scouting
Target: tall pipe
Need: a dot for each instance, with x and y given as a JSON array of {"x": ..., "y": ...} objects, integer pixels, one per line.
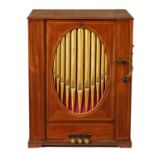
[
  {"x": 80, "y": 52},
  {"x": 67, "y": 68},
  {"x": 73, "y": 67},
  {"x": 87, "y": 67}
]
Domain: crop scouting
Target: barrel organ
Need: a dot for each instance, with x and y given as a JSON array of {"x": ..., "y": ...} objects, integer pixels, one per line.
[{"x": 80, "y": 75}]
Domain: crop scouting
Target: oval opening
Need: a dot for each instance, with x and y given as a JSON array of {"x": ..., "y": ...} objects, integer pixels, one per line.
[{"x": 80, "y": 70}]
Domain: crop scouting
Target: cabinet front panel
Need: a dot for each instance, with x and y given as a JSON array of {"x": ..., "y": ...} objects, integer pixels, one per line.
[
  {"x": 56, "y": 111},
  {"x": 79, "y": 85}
]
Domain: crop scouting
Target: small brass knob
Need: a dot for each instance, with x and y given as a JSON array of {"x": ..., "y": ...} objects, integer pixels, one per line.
[
  {"x": 86, "y": 140},
  {"x": 79, "y": 140},
  {"x": 72, "y": 140}
]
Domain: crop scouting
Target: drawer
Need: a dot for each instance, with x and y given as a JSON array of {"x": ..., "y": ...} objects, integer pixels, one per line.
[{"x": 98, "y": 131}]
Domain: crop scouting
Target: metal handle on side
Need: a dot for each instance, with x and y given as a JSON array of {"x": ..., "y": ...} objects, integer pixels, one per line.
[{"x": 125, "y": 61}]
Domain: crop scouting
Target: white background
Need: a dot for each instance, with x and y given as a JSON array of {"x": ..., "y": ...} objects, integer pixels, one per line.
[{"x": 14, "y": 76}]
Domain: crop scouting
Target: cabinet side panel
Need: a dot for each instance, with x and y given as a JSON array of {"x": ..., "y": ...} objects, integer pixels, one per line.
[
  {"x": 37, "y": 79},
  {"x": 123, "y": 90}
]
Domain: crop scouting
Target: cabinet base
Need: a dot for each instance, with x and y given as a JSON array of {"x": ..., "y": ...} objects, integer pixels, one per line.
[{"x": 47, "y": 143}]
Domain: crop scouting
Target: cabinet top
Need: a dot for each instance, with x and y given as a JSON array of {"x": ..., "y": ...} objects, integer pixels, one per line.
[{"x": 80, "y": 14}]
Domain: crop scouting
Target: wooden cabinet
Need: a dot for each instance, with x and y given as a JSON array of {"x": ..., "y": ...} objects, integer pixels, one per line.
[{"x": 80, "y": 70}]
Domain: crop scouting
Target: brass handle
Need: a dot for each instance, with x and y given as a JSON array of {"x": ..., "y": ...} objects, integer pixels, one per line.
[
  {"x": 79, "y": 140},
  {"x": 72, "y": 139},
  {"x": 86, "y": 140},
  {"x": 125, "y": 61}
]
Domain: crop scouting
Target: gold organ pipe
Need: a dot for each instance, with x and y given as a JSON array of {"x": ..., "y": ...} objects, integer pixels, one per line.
[
  {"x": 73, "y": 91},
  {"x": 63, "y": 59},
  {"x": 62, "y": 90},
  {"x": 54, "y": 70},
  {"x": 97, "y": 90},
  {"x": 97, "y": 60},
  {"x": 73, "y": 67},
  {"x": 86, "y": 92},
  {"x": 80, "y": 94},
  {"x": 92, "y": 95},
  {"x": 106, "y": 69},
  {"x": 80, "y": 52},
  {"x": 87, "y": 67},
  {"x": 67, "y": 67},
  {"x": 68, "y": 58},
  {"x": 73, "y": 59},
  {"x": 80, "y": 59},
  {"x": 87, "y": 59},
  {"x": 98, "y": 68},
  {"x": 102, "y": 69},
  {"x": 93, "y": 40},
  {"x": 62, "y": 68},
  {"x": 58, "y": 68},
  {"x": 67, "y": 95}
]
